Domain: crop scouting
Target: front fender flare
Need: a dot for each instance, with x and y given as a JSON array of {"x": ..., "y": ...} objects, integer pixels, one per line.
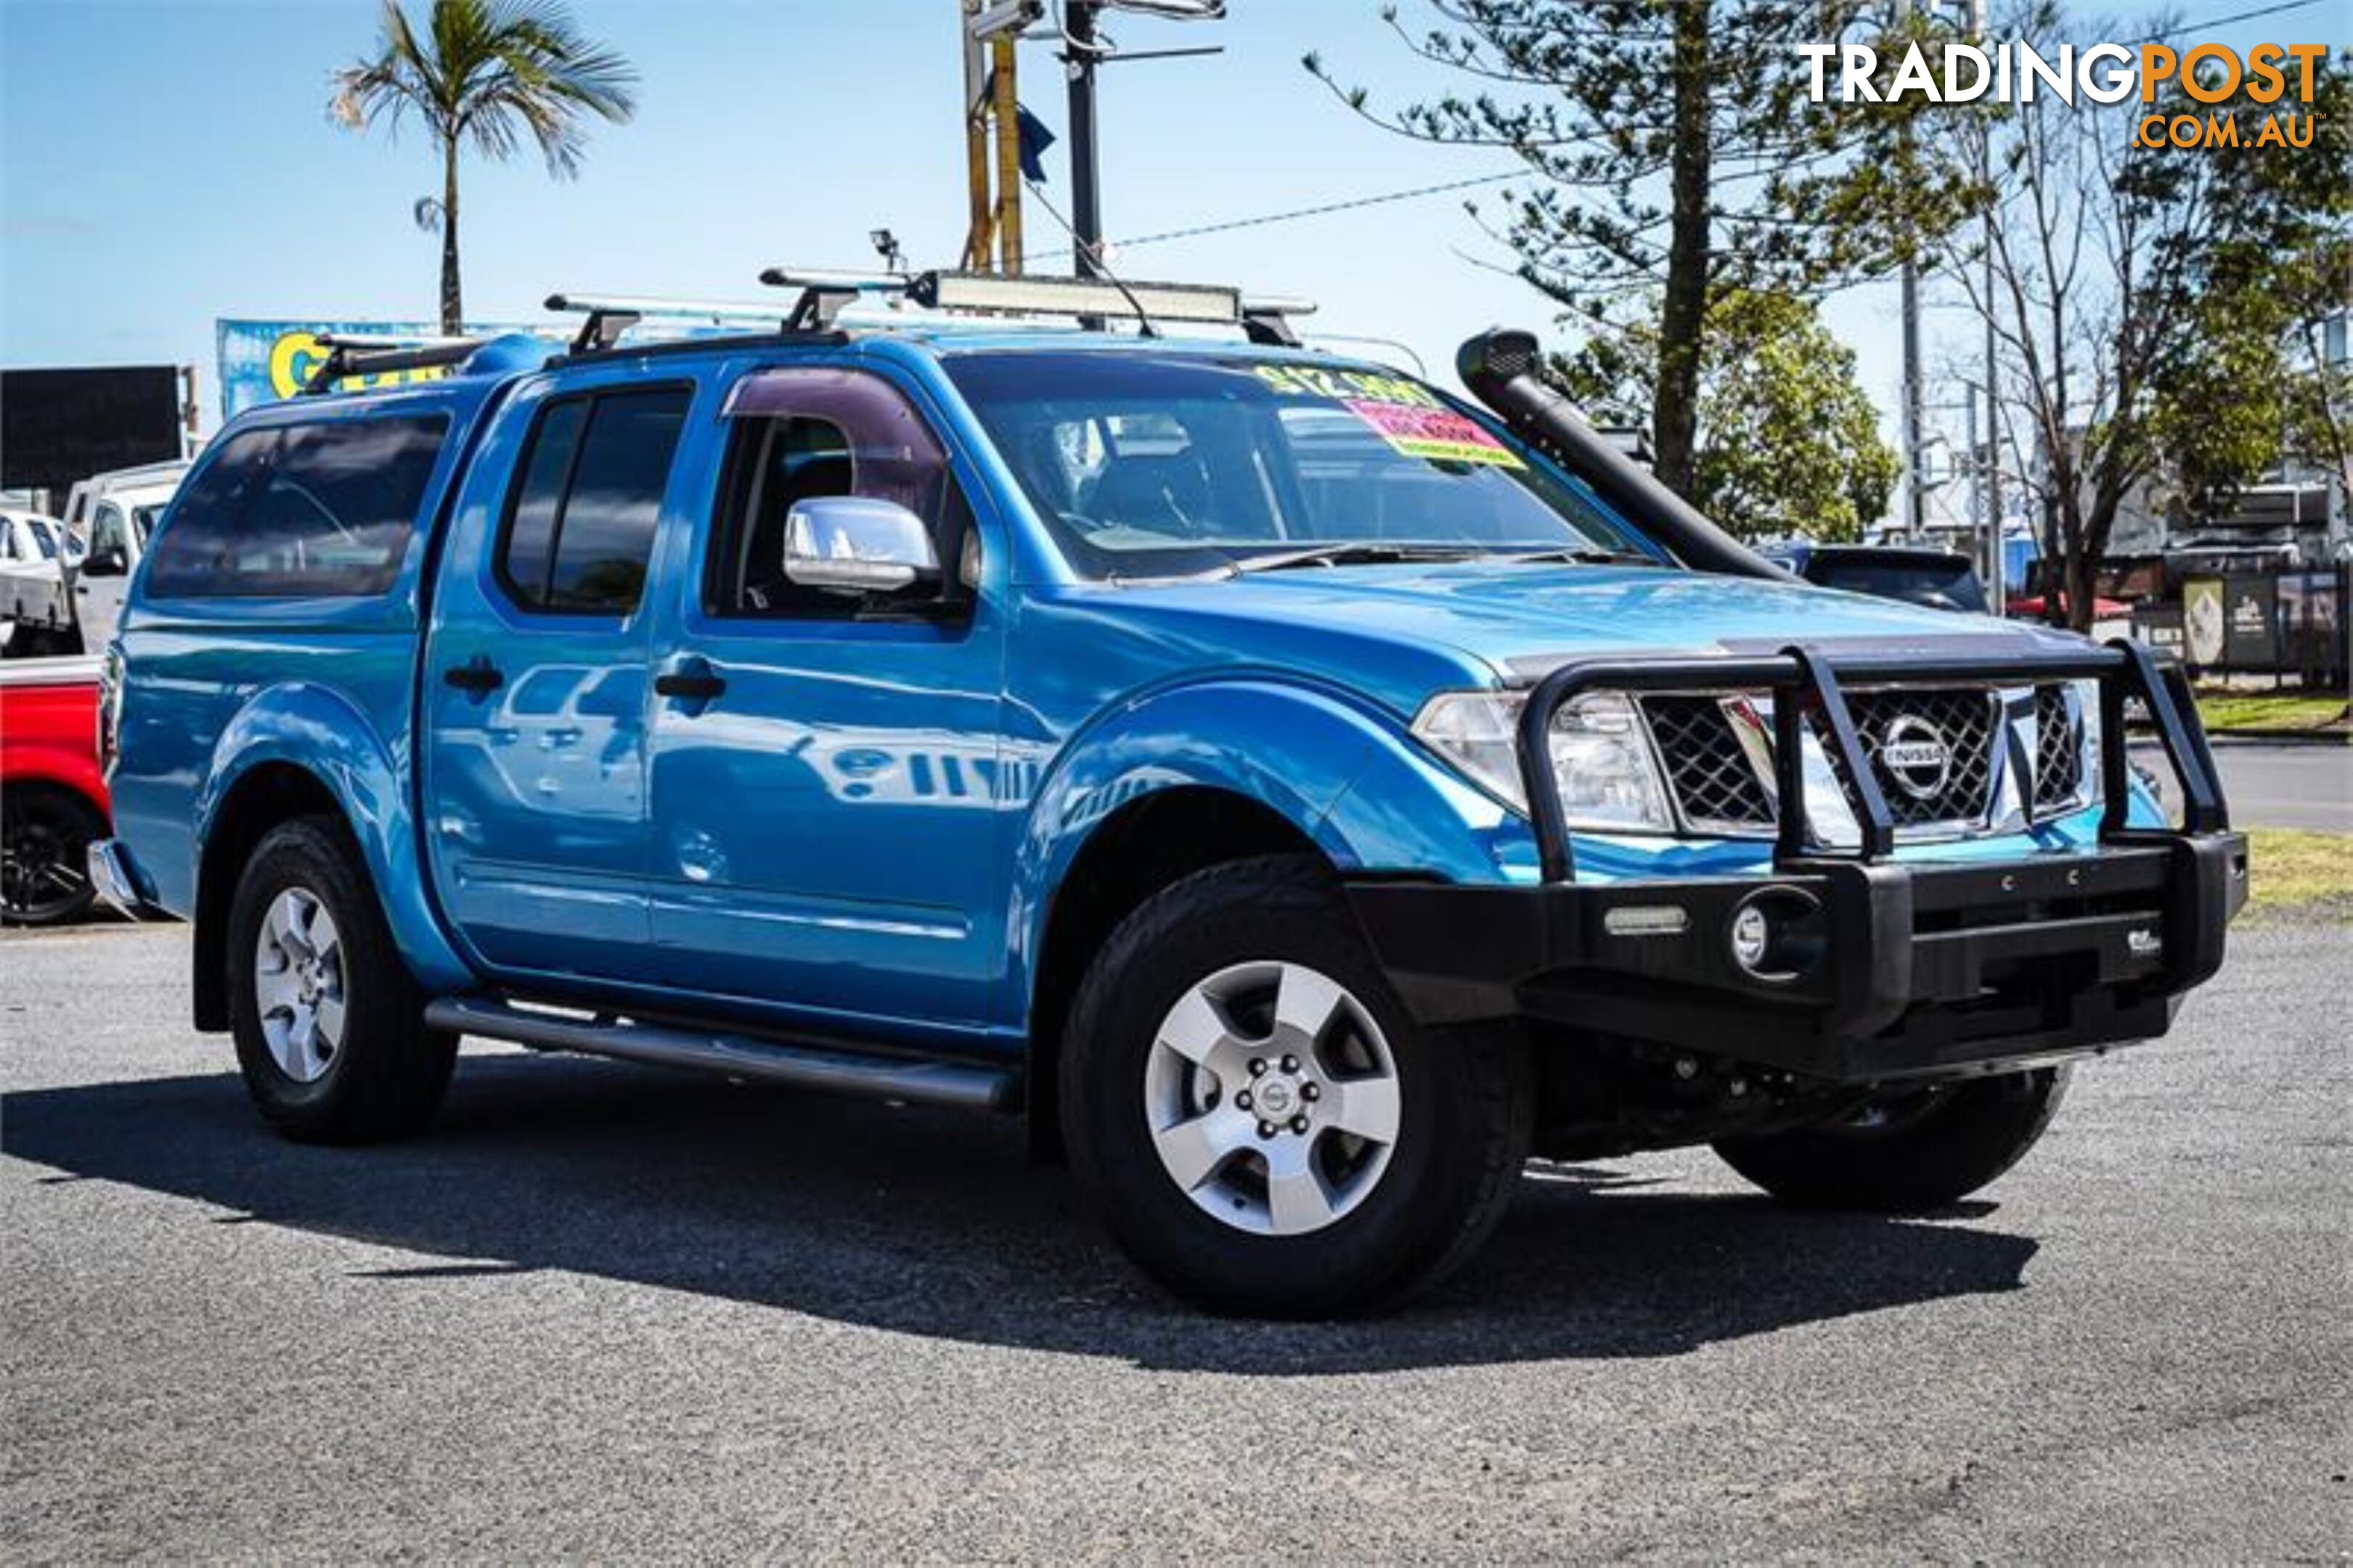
[
  {"x": 1302, "y": 751},
  {"x": 317, "y": 729}
]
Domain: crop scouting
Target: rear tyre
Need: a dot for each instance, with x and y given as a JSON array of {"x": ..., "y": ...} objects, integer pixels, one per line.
[
  {"x": 1907, "y": 1153},
  {"x": 329, "y": 1028},
  {"x": 1260, "y": 1121},
  {"x": 46, "y": 832}
]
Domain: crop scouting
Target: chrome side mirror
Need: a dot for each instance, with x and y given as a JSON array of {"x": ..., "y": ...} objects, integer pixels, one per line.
[{"x": 854, "y": 544}]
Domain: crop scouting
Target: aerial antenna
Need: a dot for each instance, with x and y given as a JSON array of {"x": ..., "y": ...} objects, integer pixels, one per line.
[{"x": 1096, "y": 264}]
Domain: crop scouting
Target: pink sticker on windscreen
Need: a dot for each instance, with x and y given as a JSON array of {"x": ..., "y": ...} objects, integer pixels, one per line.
[{"x": 1439, "y": 434}]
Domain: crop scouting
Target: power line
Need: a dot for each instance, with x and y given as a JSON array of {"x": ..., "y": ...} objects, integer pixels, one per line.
[
  {"x": 1296, "y": 213},
  {"x": 2236, "y": 16},
  {"x": 1382, "y": 198}
]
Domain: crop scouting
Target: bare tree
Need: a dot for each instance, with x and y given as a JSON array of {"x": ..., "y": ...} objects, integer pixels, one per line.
[{"x": 2091, "y": 300}]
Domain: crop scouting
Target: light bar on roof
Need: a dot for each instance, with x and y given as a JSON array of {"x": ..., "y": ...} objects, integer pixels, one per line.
[{"x": 1037, "y": 295}]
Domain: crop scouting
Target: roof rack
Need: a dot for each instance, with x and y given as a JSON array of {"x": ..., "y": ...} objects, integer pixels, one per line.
[
  {"x": 825, "y": 291},
  {"x": 824, "y": 295},
  {"x": 1266, "y": 318},
  {"x": 610, "y": 315},
  {"x": 350, "y": 354}
]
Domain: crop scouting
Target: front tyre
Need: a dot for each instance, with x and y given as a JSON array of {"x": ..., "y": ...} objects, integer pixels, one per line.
[
  {"x": 1909, "y": 1152},
  {"x": 1261, "y": 1124},
  {"x": 329, "y": 1028}
]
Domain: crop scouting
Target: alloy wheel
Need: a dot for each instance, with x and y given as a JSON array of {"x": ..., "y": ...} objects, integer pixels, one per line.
[
  {"x": 1272, "y": 1098},
  {"x": 298, "y": 984}
]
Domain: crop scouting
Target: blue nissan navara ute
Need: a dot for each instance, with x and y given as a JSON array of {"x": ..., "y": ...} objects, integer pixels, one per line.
[{"x": 1303, "y": 793}]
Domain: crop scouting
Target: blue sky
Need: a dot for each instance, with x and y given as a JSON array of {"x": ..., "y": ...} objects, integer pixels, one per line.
[{"x": 164, "y": 164}]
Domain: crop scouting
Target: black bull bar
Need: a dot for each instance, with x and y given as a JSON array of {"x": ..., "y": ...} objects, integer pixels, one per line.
[{"x": 1916, "y": 967}]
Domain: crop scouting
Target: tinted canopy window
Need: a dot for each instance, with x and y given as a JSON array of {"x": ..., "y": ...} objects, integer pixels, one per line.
[
  {"x": 1144, "y": 464},
  {"x": 580, "y": 527},
  {"x": 322, "y": 509},
  {"x": 1940, "y": 582}
]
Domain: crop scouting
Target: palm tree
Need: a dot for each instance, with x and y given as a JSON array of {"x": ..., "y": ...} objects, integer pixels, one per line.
[{"x": 487, "y": 74}]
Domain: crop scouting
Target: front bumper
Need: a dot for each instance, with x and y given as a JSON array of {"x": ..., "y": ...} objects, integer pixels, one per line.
[
  {"x": 1892, "y": 970},
  {"x": 1874, "y": 968}
]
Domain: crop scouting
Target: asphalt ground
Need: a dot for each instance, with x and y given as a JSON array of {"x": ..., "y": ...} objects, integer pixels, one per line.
[
  {"x": 2273, "y": 784},
  {"x": 604, "y": 1313}
]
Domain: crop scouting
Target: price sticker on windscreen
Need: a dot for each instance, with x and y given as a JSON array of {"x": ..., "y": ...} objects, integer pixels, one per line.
[{"x": 1438, "y": 434}]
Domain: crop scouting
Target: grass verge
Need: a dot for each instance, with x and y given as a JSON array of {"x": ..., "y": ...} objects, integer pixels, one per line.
[
  {"x": 2299, "y": 874},
  {"x": 2269, "y": 709}
]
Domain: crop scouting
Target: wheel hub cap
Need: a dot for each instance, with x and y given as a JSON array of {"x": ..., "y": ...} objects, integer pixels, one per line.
[
  {"x": 298, "y": 984},
  {"x": 1272, "y": 1098}
]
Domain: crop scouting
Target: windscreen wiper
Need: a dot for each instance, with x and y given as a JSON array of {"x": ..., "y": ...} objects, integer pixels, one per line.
[
  {"x": 1587, "y": 555},
  {"x": 1358, "y": 552}
]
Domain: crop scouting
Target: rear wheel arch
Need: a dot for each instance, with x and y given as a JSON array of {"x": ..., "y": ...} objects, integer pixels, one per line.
[
  {"x": 1149, "y": 844},
  {"x": 267, "y": 795}
]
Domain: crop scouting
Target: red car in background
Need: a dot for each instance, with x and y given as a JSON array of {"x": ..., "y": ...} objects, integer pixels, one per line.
[{"x": 53, "y": 801}]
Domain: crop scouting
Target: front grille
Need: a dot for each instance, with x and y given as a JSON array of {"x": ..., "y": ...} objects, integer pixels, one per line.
[
  {"x": 1718, "y": 785},
  {"x": 1711, "y": 774},
  {"x": 2058, "y": 749},
  {"x": 1920, "y": 793}
]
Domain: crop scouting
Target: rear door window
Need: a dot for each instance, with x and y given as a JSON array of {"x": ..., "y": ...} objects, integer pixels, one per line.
[
  {"x": 322, "y": 510},
  {"x": 581, "y": 520}
]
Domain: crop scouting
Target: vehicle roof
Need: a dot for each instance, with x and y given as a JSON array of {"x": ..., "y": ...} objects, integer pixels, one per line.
[
  {"x": 941, "y": 339},
  {"x": 139, "y": 474},
  {"x": 1914, "y": 555},
  {"x": 139, "y": 495}
]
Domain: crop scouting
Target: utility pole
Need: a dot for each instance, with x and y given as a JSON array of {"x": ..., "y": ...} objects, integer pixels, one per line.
[
  {"x": 1997, "y": 555},
  {"x": 980, "y": 231},
  {"x": 1916, "y": 493},
  {"x": 992, "y": 104},
  {"x": 991, "y": 29},
  {"x": 1008, "y": 156},
  {"x": 1080, "y": 50}
]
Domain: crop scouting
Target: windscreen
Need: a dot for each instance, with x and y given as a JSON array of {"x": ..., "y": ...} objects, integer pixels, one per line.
[{"x": 1150, "y": 466}]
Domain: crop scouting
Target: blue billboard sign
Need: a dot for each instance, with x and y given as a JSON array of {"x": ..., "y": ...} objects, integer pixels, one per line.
[{"x": 261, "y": 361}]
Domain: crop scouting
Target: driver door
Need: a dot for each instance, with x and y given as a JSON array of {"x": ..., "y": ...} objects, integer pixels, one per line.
[{"x": 826, "y": 800}]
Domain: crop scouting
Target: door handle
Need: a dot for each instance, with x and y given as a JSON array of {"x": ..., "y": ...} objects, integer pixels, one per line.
[
  {"x": 479, "y": 676},
  {"x": 693, "y": 685}
]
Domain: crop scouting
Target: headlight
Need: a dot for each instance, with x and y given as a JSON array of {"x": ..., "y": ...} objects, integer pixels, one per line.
[{"x": 1600, "y": 758}]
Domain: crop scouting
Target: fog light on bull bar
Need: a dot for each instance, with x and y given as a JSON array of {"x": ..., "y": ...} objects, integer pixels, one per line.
[
  {"x": 1775, "y": 934},
  {"x": 1752, "y": 937}
]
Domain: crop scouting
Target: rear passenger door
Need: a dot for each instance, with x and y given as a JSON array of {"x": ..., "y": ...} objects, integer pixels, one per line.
[{"x": 535, "y": 682}]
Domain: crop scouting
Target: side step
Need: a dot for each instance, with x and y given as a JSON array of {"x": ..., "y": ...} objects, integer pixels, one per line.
[{"x": 965, "y": 1084}]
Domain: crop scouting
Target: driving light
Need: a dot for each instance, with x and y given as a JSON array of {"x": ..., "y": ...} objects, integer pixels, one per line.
[
  {"x": 1646, "y": 920},
  {"x": 1601, "y": 761},
  {"x": 1041, "y": 295}
]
